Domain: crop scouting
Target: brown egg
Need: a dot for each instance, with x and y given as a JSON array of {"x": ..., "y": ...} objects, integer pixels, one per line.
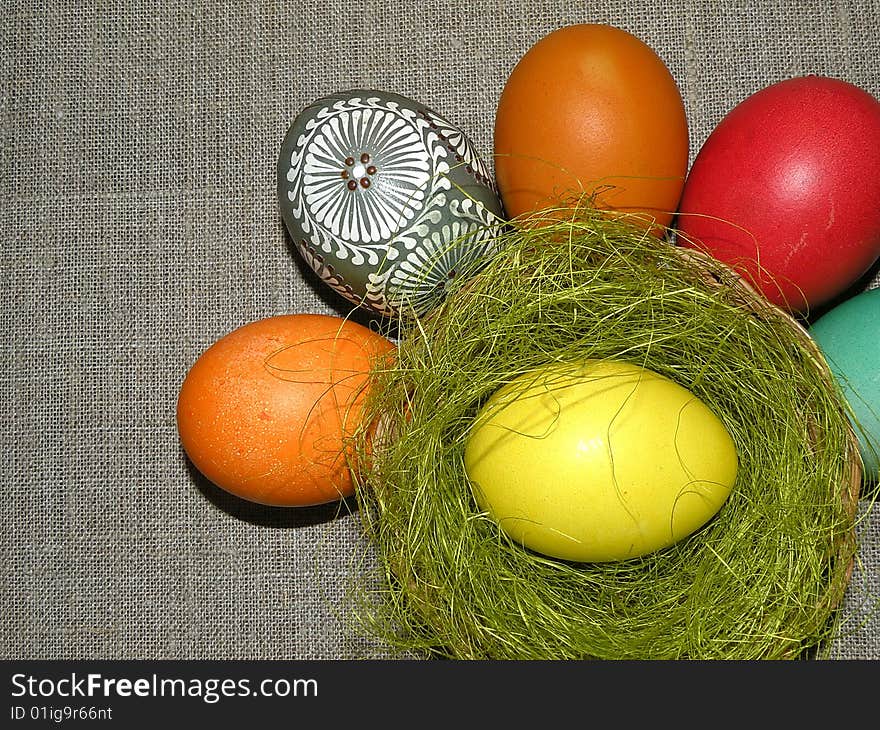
[{"x": 591, "y": 110}]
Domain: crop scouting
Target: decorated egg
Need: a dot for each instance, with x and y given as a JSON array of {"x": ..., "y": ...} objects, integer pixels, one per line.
[
  {"x": 598, "y": 460},
  {"x": 786, "y": 189},
  {"x": 849, "y": 337},
  {"x": 385, "y": 199}
]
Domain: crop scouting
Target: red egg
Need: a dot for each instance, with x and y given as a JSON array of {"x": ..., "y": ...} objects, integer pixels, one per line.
[{"x": 786, "y": 190}]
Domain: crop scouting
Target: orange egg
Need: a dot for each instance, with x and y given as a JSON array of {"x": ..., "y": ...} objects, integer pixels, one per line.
[
  {"x": 267, "y": 411},
  {"x": 591, "y": 110}
]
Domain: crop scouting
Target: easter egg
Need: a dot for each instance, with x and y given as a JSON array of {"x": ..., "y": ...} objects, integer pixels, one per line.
[
  {"x": 598, "y": 460},
  {"x": 266, "y": 412},
  {"x": 592, "y": 110},
  {"x": 786, "y": 190},
  {"x": 385, "y": 199},
  {"x": 849, "y": 337}
]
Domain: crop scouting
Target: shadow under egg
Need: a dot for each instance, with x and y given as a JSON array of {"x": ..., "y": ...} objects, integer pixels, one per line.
[{"x": 267, "y": 515}]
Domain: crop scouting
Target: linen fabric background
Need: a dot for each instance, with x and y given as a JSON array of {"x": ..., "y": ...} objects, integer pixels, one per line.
[{"x": 139, "y": 223}]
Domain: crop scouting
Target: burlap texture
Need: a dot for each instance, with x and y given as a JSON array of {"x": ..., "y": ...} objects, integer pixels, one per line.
[{"x": 139, "y": 223}]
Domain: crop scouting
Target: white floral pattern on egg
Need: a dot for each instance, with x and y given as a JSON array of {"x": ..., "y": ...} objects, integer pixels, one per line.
[{"x": 385, "y": 199}]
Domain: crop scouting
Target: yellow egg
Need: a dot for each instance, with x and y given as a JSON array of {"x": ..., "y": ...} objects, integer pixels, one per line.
[{"x": 598, "y": 460}]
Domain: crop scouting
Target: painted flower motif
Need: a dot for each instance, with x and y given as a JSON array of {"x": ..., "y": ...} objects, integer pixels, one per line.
[
  {"x": 454, "y": 250},
  {"x": 365, "y": 174}
]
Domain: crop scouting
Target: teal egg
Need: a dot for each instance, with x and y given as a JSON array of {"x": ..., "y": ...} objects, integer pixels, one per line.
[
  {"x": 385, "y": 199},
  {"x": 849, "y": 337}
]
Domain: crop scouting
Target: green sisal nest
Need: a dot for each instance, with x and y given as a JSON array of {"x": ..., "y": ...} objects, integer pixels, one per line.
[{"x": 763, "y": 579}]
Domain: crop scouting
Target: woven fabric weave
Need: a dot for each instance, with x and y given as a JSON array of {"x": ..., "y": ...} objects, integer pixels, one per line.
[{"x": 140, "y": 223}]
